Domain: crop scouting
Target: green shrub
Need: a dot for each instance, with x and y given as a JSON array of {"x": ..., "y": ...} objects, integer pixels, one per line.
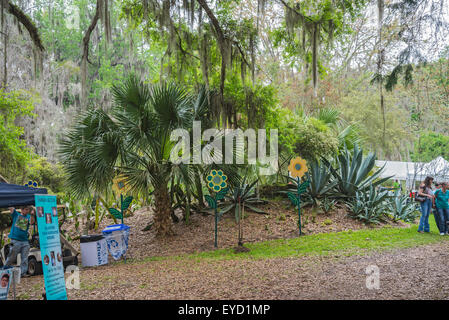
[
  {"x": 327, "y": 204},
  {"x": 313, "y": 140},
  {"x": 46, "y": 174}
]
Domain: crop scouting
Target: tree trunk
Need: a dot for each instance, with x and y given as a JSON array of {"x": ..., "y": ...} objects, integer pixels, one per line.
[
  {"x": 221, "y": 44},
  {"x": 5, "y": 46},
  {"x": 315, "y": 59},
  {"x": 85, "y": 53},
  {"x": 162, "y": 216},
  {"x": 380, "y": 60}
]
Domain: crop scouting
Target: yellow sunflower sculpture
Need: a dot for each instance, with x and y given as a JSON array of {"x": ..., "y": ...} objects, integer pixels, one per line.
[
  {"x": 297, "y": 167},
  {"x": 119, "y": 185}
]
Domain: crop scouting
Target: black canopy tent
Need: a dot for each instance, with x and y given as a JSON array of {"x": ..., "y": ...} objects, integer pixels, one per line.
[{"x": 13, "y": 195}]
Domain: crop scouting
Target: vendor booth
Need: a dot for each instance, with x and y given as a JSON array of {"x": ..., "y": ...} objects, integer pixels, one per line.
[
  {"x": 13, "y": 195},
  {"x": 413, "y": 173},
  {"x": 50, "y": 252}
]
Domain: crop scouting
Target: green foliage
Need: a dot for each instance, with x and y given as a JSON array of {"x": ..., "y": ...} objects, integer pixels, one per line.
[
  {"x": 285, "y": 121},
  {"x": 5, "y": 221},
  {"x": 314, "y": 140},
  {"x": 253, "y": 102},
  {"x": 46, "y": 174},
  {"x": 431, "y": 145},
  {"x": 14, "y": 153},
  {"x": 363, "y": 110},
  {"x": 327, "y": 204},
  {"x": 309, "y": 137}
]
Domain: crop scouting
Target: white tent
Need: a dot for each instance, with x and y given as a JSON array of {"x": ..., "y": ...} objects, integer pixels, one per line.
[
  {"x": 413, "y": 172},
  {"x": 398, "y": 169},
  {"x": 437, "y": 168}
]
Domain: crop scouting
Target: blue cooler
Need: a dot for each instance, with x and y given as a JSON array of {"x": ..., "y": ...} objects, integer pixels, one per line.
[{"x": 117, "y": 237}]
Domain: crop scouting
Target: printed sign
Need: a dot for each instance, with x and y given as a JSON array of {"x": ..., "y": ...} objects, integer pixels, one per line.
[
  {"x": 50, "y": 243},
  {"x": 5, "y": 281}
]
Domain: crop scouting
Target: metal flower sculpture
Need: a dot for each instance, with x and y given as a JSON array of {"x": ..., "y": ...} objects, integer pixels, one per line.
[
  {"x": 217, "y": 182},
  {"x": 31, "y": 184},
  {"x": 119, "y": 186},
  {"x": 297, "y": 169}
]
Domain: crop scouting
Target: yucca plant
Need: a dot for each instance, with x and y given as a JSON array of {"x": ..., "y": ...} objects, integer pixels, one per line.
[
  {"x": 353, "y": 173},
  {"x": 403, "y": 208},
  {"x": 245, "y": 194},
  {"x": 369, "y": 206}
]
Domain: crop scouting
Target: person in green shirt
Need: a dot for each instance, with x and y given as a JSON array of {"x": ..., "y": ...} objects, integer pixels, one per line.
[
  {"x": 442, "y": 205},
  {"x": 396, "y": 185},
  {"x": 19, "y": 237}
]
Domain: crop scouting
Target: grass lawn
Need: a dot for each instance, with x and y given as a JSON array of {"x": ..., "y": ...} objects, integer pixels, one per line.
[{"x": 345, "y": 243}]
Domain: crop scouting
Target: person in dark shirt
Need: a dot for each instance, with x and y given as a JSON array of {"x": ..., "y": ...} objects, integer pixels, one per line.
[{"x": 19, "y": 238}]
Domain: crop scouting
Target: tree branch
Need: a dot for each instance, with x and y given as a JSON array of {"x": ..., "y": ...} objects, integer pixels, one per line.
[{"x": 27, "y": 23}]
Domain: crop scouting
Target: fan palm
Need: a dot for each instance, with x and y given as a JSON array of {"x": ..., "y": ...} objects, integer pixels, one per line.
[
  {"x": 133, "y": 141},
  {"x": 347, "y": 134}
]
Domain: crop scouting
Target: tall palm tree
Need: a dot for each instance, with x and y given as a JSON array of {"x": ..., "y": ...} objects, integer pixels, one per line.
[{"x": 133, "y": 141}]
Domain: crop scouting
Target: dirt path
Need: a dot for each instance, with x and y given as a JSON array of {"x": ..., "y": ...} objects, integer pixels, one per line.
[{"x": 415, "y": 273}]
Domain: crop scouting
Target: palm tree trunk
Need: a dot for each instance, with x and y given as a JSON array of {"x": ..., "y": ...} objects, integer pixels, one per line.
[{"x": 162, "y": 217}]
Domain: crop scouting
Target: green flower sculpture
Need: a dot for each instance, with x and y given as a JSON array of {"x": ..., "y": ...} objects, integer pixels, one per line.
[{"x": 216, "y": 180}]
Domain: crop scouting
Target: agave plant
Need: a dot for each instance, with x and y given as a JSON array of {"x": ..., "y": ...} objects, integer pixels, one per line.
[
  {"x": 403, "y": 208},
  {"x": 353, "y": 173},
  {"x": 321, "y": 182},
  {"x": 369, "y": 206}
]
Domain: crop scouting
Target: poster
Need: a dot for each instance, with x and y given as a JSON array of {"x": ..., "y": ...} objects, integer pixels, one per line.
[
  {"x": 50, "y": 243},
  {"x": 5, "y": 281}
]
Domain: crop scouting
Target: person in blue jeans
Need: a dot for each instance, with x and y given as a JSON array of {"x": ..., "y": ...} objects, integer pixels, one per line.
[
  {"x": 19, "y": 238},
  {"x": 425, "y": 190},
  {"x": 442, "y": 205},
  {"x": 438, "y": 221}
]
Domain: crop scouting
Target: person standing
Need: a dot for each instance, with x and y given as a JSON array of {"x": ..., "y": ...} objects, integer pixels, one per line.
[
  {"x": 436, "y": 215},
  {"x": 442, "y": 205},
  {"x": 425, "y": 190},
  {"x": 397, "y": 185},
  {"x": 19, "y": 238}
]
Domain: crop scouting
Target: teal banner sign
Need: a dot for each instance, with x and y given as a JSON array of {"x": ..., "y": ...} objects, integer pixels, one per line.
[
  {"x": 5, "y": 281},
  {"x": 50, "y": 243}
]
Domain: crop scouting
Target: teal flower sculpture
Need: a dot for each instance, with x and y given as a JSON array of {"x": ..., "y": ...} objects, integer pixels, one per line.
[{"x": 217, "y": 183}]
